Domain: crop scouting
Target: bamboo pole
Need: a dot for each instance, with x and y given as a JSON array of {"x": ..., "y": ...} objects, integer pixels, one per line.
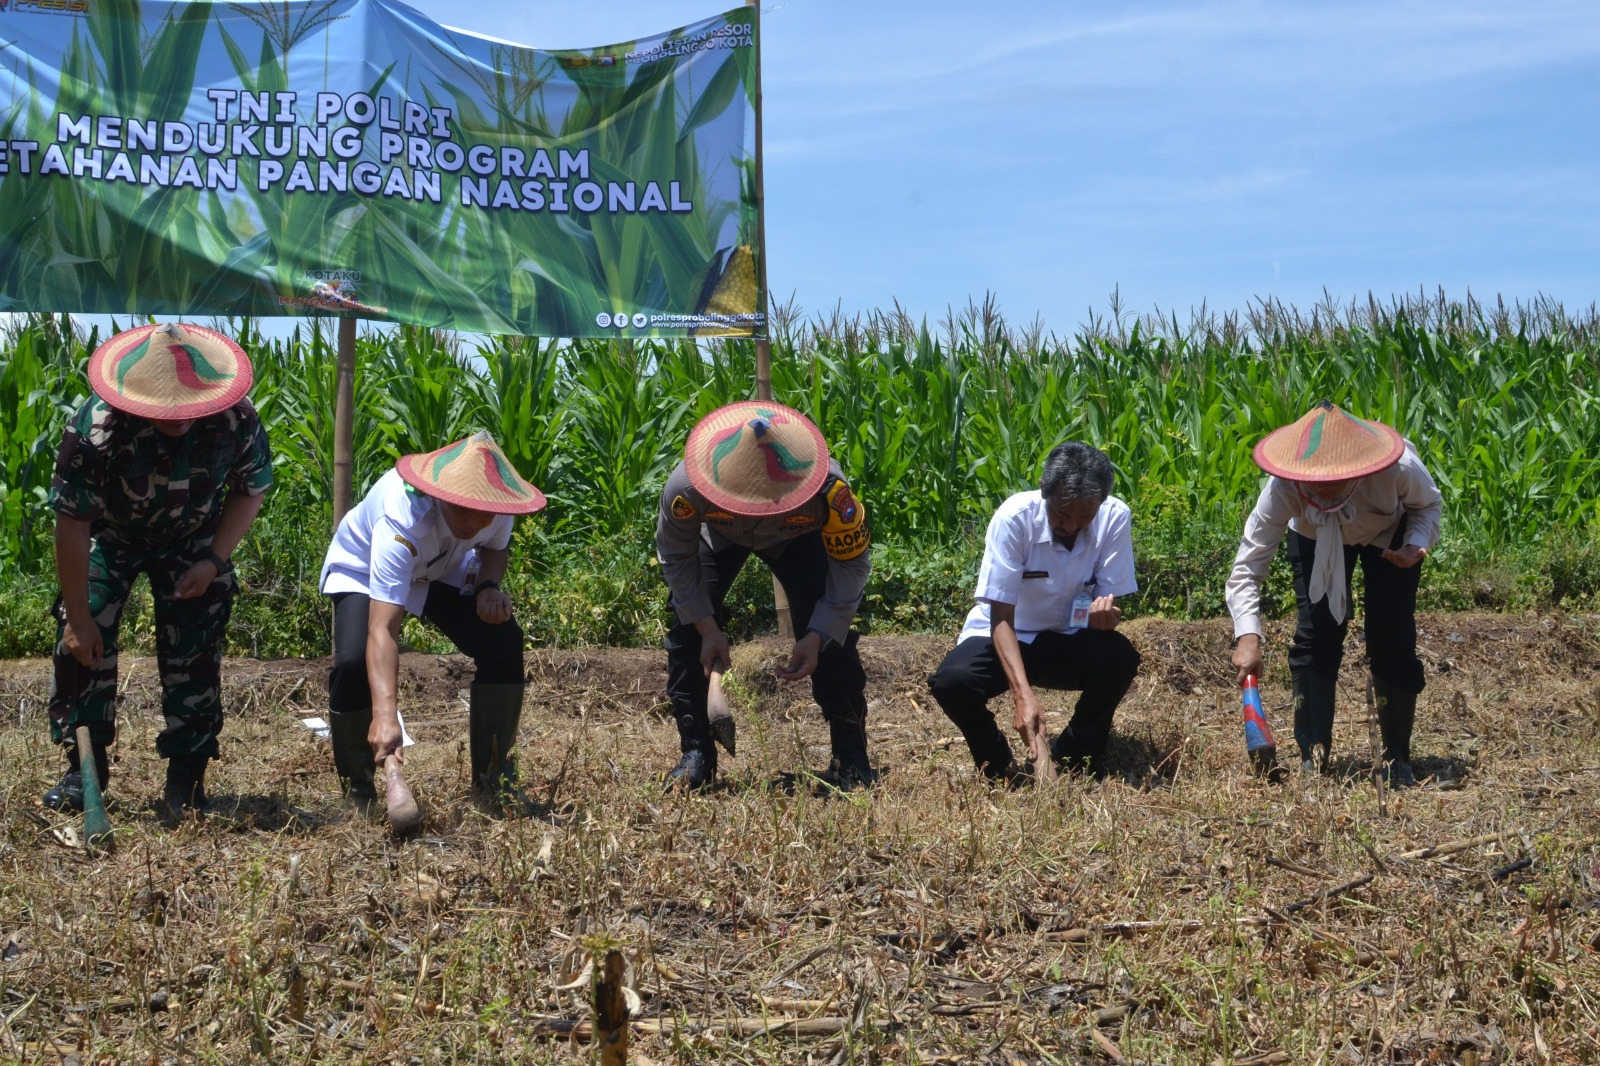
[
  {"x": 344, "y": 421},
  {"x": 763, "y": 340}
]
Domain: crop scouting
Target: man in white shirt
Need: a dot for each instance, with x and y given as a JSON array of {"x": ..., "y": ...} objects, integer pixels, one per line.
[
  {"x": 1342, "y": 489},
  {"x": 1054, "y": 563},
  {"x": 430, "y": 539}
]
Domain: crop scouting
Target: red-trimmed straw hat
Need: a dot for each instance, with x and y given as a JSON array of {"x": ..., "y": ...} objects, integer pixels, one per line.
[
  {"x": 1329, "y": 444},
  {"x": 756, "y": 458},
  {"x": 472, "y": 473},
  {"x": 173, "y": 371}
]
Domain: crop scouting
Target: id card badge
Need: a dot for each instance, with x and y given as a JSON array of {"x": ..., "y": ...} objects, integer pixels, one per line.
[{"x": 1080, "y": 612}]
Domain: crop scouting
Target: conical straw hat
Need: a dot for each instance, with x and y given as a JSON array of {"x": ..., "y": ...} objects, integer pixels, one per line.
[
  {"x": 472, "y": 473},
  {"x": 756, "y": 458},
  {"x": 1329, "y": 444},
  {"x": 172, "y": 371}
]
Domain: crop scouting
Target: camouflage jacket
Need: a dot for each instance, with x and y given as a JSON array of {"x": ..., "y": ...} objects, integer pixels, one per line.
[
  {"x": 687, "y": 517},
  {"x": 141, "y": 488}
]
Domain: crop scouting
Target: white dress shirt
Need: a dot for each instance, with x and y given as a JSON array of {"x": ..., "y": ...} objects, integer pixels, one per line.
[
  {"x": 1023, "y": 564},
  {"x": 1404, "y": 490},
  {"x": 395, "y": 541}
]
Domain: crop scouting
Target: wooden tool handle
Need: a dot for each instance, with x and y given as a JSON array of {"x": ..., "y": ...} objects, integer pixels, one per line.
[
  {"x": 96, "y": 824},
  {"x": 404, "y": 814}
]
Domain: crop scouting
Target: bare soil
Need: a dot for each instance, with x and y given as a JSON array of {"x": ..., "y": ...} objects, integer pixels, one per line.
[{"x": 1180, "y": 910}]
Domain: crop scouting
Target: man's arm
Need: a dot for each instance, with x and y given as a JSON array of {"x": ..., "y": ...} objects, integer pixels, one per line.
[
  {"x": 239, "y": 513},
  {"x": 1028, "y": 718},
  {"x": 1263, "y": 532},
  {"x": 383, "y": 670},
  {"x": 678, "y": 526},
  {"x": 82, "y": 636},
  {"x": 493, "y": 605}
]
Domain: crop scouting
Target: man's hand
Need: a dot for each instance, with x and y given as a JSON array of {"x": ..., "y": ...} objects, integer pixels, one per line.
[
  {"x": 1029, "y": 722},
  {"x": 713, "y": 646},
  {"x": 1104, "y": 613},
  {"x": 803, "y": 660},
  {"x": 84, "y": 642},
  {"x": 385, "y": 738},
  {"x": 1247, "y": 656},
  {"x": 494, "y": 606},
  {"x": 1406, "y": 557},
  {"x": 195, "y": 580}
]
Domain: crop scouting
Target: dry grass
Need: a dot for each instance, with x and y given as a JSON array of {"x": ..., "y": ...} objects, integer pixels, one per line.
[{"x": 933, "y": 921}]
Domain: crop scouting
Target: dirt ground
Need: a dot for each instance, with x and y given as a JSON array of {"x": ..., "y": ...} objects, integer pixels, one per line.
[{"x": 1181, "y": 910}]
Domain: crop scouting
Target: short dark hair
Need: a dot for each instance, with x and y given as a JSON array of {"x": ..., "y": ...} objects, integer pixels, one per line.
[{"x": 1076, "y": 471}]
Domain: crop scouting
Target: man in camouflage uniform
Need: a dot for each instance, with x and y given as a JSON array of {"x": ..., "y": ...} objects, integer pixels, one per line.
[
  {"x": 756, "y": 477},
  {"x": 161, "y": 472}
]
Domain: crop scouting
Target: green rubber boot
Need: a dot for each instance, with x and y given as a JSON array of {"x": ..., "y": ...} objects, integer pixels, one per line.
[
  {"x": 352, "y": 757},
  {"x": 496, "y": 712},
  {"x": 1397, "y": 715},
  {"x": 1313, "y": 718}
]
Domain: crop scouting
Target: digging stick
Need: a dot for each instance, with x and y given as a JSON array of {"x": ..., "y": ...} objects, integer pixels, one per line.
[
  {"x": 1259, "y": 743},
  {"x": 721, "y": 715},
  {"x": 404, "y": 815},
  {"x": 96, "y": 826}
]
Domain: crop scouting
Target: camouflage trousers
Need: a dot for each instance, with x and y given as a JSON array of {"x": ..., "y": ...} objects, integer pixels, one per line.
[{"x": 188, "y": 648}]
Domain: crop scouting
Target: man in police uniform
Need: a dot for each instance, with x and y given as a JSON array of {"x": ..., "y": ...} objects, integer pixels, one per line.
[
  {"x": 756, "y": 477},
  {"x": 161, "y": 472},
  {"x": 432, "y": 539},
  {"x": 1054, "y": 563}
]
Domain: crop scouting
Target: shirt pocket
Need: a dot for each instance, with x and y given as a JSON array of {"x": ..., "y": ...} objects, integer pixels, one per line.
[{"x": 1047, "y": 606}]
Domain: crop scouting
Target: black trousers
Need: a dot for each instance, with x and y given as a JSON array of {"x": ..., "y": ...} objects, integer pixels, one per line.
[
  {"x": 1099, "y": 663},
  {"x": 495, "y": 648},
  {"x": 1389, "y": 614},
  {"x": 801, "y": 566}
]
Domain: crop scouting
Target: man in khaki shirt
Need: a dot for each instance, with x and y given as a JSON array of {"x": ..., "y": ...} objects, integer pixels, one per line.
[{"x": 756, "y": 478}]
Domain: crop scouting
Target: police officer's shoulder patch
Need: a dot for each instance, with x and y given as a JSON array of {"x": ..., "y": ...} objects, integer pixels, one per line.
[
  {"x": 846, "y": 535},
  {"x": 682, "y": 509},
  {"x": 401, "y": 538}
]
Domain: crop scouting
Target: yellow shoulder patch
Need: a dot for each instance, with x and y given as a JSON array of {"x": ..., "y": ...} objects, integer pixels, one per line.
[
  {"x": 407, "y": 543},
  {"x": 682, "y": 509},
  {"x": 845, "y": 535}
]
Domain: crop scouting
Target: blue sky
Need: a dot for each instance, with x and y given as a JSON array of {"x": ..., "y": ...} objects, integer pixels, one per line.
[{"x": 1219, "y": 152}]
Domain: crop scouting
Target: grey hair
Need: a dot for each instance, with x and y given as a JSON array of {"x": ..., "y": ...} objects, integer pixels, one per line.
[{"x": 1076, "y": 471}]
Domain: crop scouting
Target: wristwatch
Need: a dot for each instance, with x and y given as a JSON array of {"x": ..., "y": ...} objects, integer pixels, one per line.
[{"x": 215, "y": 560}]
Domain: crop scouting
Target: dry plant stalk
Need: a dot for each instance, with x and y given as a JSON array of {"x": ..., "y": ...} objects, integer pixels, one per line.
[{"x": 611, "y": 1010}]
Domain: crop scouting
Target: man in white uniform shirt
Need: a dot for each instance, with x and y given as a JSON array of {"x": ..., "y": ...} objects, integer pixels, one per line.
[
  {"x": 1342, "y": 489},
  {"x": 430, "y": 539},
  {"x": 1054, "y": 562}
]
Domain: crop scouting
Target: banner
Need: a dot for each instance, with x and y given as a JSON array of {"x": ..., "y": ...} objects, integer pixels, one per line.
[{"x": 350, "y": 156}]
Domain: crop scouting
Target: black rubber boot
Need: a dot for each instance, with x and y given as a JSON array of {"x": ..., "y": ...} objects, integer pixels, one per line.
[
  {"x": 698, "y": 767},
  {"x": 496, "y": 712},
  {"x": 1313, "y": 718},
  {"x": 850, "y": 769},
  {"x": 352, "y": 757},
  {"x": 68, "y": 792},
  {"x": 1397, "y": 715},
  {"x": 185, "y": 792}
]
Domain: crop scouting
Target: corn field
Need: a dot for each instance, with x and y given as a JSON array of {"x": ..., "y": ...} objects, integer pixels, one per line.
[{"x": 934, "y": 422}]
